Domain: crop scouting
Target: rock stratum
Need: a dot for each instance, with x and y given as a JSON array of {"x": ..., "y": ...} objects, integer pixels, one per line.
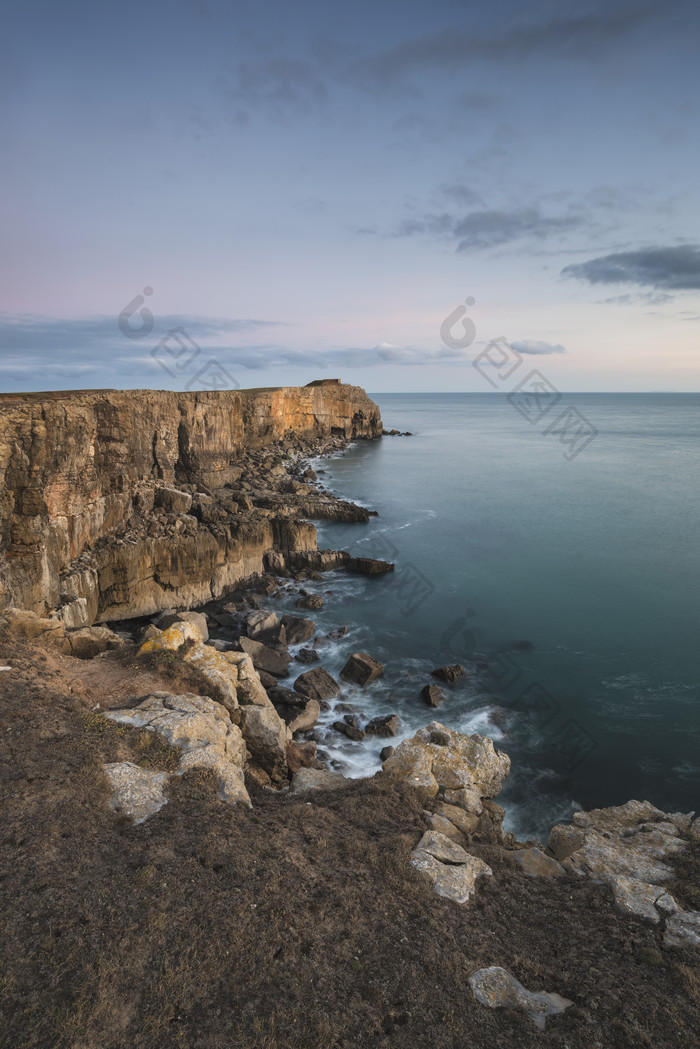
[{"x": 116, "y": 504}]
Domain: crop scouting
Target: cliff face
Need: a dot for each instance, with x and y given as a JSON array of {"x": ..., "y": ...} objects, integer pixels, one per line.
[{"x": 78, "y": 468}]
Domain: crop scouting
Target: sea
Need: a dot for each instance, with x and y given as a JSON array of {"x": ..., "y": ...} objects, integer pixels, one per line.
[{"x": 558, "y": 562}]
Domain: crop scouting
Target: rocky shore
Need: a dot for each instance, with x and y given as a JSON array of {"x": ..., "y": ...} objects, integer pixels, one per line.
[{"x": 147, "y": 586}]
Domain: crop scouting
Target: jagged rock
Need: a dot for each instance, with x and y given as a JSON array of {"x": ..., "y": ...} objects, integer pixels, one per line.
[
  {"x": 173, "y": 500},
  {"x": 538, "y": 864},
  {"x": 466, "y": 799},
  {"x": 465, "y": 822},
  {"x": 216, "y": 667},
  {"x": 167, "y": 618},
  {"x": 75, "y": 614},
  {"x": 265, "y": 658},
  {"x": 307, "y": 655},
  {"x": 299, "y": 716},
  {"x": 384, "y": 725},
  {"x": 266, "y": 737},
  {"x": 439, "y": 757},
  {"x": 497, "y": 989},
  {"x": 432, "y": 695},
  {"x": 201, "y": 730},
  {"x": 361, "y": 669},
  {"x": 625, "y": 846},
  {"x": 137, "y": 793},
  {"x": 317, "y": 684},
  {"x": 452, "y": 870},
  {"x": 451, "y": 674},
  {"x": 298, "y": 630},
  {"x": 444, "y": 826},
  {"x": 316, "y": 779}
]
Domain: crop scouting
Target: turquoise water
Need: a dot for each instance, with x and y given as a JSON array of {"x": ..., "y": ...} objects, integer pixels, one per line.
[{"x": 568, "y": 588}]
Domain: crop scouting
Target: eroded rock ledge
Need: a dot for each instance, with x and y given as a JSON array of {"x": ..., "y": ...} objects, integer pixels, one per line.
[{"x": 115, "y": 504}]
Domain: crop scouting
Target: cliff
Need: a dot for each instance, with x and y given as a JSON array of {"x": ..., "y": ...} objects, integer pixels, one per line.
[{"x": 120, "y": 503}]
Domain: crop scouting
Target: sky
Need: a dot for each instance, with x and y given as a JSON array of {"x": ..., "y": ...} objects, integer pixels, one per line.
[{"x": 198, "y": 194}]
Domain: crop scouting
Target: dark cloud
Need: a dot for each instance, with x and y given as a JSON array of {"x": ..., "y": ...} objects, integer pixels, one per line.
[
  {"x": 493, "y": 228},
  {"x": 281, "y": 86},
  {"x": 582, "y": 35},
  {"x": 666, "y": 269},
  {"x": 537, "y": 347}
]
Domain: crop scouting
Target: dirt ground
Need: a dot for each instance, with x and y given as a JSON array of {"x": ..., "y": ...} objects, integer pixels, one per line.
[{"x": 299, "y": 923}]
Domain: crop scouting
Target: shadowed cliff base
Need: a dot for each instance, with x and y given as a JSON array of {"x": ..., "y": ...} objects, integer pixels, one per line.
[{"x": 290, "y": 925}]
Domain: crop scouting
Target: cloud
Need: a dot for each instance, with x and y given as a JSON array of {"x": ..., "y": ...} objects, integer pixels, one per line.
[
  {"x": 666, "y": 269},
  {"x": 491, "y": 228},
  {"x": 281, "y": 86},
  {"x": 581, "y": 35},
  {"x": 537, "y": 347}
]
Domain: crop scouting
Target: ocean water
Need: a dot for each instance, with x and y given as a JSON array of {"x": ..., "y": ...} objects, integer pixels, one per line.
[{"x": 568, "y": 588}]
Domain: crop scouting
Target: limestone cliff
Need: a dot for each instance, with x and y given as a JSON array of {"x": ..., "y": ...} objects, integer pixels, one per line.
[{"x": 81, "y": 472}]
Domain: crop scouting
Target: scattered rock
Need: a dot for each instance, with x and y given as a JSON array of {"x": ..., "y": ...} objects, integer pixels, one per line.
[
  {"x": 173, "y": 500},
  {"x": 262, "y": 626},
  {"x": 138, "y": 793},
  {"x": 265, "y": 658},
  {"x": 386, "y": 753},
  {"x": 91, "y": 640},
  {"x": 682, "y": 929},
  {"x": 317, "y": 684},
  {"x": 266, "y": 737},
  {"x": 497, "y": 989},
  {"x": 465, "y": 822},
  {"x": 362, "y": 668},
  {"x": 432, "y": 695},
  {"x": 368, "y": 566},
  {"x": 384, "y": 725},
  {"x": 538, "y": 864},
  {"x": 466, "y": 799},
  {"x": 316, "y": 779},
  {"x": 450, "y": 674},
  {"x": 452, "y": 871},
  {"x": 300, "y": 755}
]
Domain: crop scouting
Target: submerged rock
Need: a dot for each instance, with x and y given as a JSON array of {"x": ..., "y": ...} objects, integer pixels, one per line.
[
  {"x": 432, "y": 695},
  {"x": 298, "y": 630},
  {"x": 497, "y": 989},
  {"x": 384, "y": 725},
  {"x": 450, "y": 674}
]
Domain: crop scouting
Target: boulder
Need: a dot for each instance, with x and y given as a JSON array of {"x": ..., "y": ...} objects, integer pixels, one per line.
[
  {"x": 432, "y": 695},
  {"x": 173, "y": 500},
  {"x": 137, "y": 793},
  {"x": 465, "y": 822},
  {"x": 300, "y": 755},
  {"x": 450, "y": 674},
  {"x": 201, "y": 730},
  {"x": 466, "y": 799},
  {"x": 317, "y": 684},
  {"x": 298, "y": 630},
  {"x": 384, "y": 725},
  {"x": 349, "y": 730},
  {"x": 437, "y": 757},
  {"x": 91, "y": 640},
  {"x": 452, "y": 870},
  {"x": 266, "y": 738},
  {"x": 362, "y": 668},
  {"x": 497, "y": 989},
  {"x": 265, "y": 658},
  {"x": 307, "y": 655},
  {"x": 538, "y": 864},
  {"x": 386, "y": 753},
  {"x": 262, "y": 626},
  {"x": 167, "y": 618},
  {"x": 29, "y": 625},
  {"x": 214, "y": 666},
  {"x": 75, "y": 613}
]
